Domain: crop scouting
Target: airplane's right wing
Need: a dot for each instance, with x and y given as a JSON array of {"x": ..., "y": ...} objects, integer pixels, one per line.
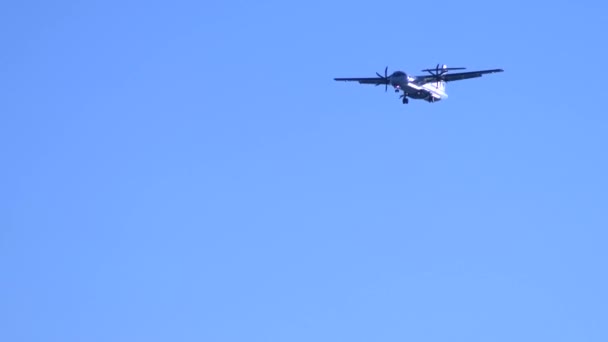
[{"x": 457, "y": 76}]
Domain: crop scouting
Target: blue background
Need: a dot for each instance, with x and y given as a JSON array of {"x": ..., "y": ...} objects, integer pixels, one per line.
[{"x": 189, "y": 171}]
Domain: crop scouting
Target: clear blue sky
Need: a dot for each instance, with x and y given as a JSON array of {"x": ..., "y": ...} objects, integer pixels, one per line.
[{"x": 189, "y": 171}]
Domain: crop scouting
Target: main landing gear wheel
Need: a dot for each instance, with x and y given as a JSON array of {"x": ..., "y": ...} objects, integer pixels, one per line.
[{"x": 405, "y": 100}]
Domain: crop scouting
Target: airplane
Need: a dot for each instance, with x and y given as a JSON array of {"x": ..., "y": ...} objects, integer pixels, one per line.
[{"x": 430, "y": 88}]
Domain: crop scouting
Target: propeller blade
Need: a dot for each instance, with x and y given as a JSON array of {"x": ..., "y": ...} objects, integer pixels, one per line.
[{"x": 386, "y": 78}]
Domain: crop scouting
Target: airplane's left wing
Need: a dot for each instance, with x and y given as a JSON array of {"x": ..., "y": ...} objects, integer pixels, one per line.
[
  {"x": 457, "y": 76},
  {"x": 366, "y": 80}
]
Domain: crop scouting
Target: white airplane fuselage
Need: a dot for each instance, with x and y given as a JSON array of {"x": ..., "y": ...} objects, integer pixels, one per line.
[{"x": 412, "y": 88}]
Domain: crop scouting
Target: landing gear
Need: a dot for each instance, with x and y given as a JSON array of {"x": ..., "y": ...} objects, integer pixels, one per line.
[{"x": 405, "y": 100}]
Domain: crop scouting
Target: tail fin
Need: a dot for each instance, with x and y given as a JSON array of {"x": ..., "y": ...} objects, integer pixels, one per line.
[{"x": 441, "y": 85}]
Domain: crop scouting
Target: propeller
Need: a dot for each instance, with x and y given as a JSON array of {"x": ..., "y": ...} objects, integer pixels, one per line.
[{"x": 385, "y": 78}]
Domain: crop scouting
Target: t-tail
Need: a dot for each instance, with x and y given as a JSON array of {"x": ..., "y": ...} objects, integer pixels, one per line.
[{"x": 441, "y": 84}]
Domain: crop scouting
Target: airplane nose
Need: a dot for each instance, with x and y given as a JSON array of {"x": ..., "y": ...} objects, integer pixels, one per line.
[{"x": 397, "y": 80}]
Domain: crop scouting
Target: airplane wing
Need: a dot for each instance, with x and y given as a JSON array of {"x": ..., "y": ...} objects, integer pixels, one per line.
[
  {"x": 457, "y": 76},
  {"x": 368, "y": 80}
]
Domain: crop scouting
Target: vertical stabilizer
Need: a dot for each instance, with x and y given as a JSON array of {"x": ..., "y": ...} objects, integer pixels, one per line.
[{"x": 441, "y": 85}]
